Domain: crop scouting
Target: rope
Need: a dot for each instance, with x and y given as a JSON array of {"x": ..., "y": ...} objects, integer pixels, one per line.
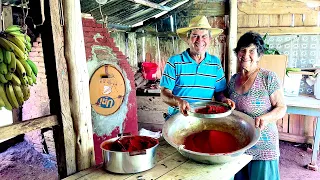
[{"x": 25, "y": 14}]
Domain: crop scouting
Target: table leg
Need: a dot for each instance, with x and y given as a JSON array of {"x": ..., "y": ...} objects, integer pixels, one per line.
[{"x": 313, "y": 165}]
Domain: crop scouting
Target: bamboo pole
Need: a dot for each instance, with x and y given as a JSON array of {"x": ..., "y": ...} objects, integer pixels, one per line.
[
  {"x": 232, "y": 41},
  {"x": 79, "y": 84}
]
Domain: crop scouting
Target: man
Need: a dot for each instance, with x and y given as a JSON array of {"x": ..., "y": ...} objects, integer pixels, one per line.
[{"x": 194, "y": 75}]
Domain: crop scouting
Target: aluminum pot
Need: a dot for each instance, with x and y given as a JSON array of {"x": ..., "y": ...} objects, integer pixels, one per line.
[
  {"x": 128, "y": 162},
  {"x": 240, "y": 125}
]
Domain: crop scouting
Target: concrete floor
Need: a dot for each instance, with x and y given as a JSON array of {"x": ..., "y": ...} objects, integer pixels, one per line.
[{"x": 293, "y": 156}]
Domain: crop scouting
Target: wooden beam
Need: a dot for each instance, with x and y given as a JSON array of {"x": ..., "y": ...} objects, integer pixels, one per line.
[
  {"x": 27, "y": 126},
  {"x": 1, "y": 21},
  {"x": 177, "y": 8},
  {"x": 281, "y": 30},
  {"x": 7, "y": 16},
  {"x": 79, "y": 84},
  {"x": 232, "y": 38},
  {"x": 152, "y": 5},
  {"x": 8, "y": 21},
  {"x": 294, "y": 138},
  {"x": 58, "y": 88},
  {"x": 274, "y": 7},
  {"x": 142, "y": 12}
]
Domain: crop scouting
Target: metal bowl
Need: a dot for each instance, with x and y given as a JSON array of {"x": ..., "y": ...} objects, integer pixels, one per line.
[
  {"x": 196, "y": 105},
  {"x": 242, "y": 126},
  {"x": 128, "y": 162}
]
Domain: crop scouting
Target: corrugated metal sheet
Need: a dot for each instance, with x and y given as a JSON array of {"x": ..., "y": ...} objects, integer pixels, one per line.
[
  {"x": 11, "y": 2},
  {"x": 124, "y": 12}
]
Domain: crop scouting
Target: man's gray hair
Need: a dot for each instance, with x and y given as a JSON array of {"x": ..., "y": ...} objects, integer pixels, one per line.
[{"x": 190, "y": 31}]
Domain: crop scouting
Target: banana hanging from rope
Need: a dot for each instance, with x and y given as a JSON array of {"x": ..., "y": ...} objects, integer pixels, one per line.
[
  {"x": 4, "y": 97},
  {"x": 18, "y": 93},
  {"x": 26, "y": 92},
  {"x": 13, "y": 63},
  {"x": 13, "y": 28},
  {"x": 3, "y": 79},
  {"x": 1, "y": 55},
  {"x": 33, "y": 67},
  {"x": 15, "y": 80},
  {"x": 20, "y": 69},
  {"x": 17, "y": 71},
  {"x": 7, "y": 56},
  {"x": 11, "y": 96}
]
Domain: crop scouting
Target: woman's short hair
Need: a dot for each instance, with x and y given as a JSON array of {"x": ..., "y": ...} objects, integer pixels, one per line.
[{"x": 251, "y": 38}]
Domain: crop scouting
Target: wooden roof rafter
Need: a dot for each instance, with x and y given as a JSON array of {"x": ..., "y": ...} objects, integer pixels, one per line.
[{"x": 153, "y": 5}]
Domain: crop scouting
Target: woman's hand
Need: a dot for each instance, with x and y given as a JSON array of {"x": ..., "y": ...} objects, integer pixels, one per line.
[
  {"x": 183, "y": 106},
  {"x": 261, "y": 122},
  {"x": 230, "y": 103}
]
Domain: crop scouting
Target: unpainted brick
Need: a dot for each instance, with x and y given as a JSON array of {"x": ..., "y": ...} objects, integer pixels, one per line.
[
  {"x": 33, "y": 54},
  {"x": 35, "y": 44},
  {"x": 39, "y": 64},
  {"x": 33, "y": 49},
  {"x": 38, "y": 40},
  {"x": 36, "y": 59},
  {"x": 39, "y": 49},
  {"x": 41, "y": 69}
]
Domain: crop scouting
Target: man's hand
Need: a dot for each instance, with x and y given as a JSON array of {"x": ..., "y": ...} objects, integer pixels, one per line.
[
  {"x": 174, "y": 101},
  {"x": 183, "y": 106},
  {"x": 229, "y": 102}
]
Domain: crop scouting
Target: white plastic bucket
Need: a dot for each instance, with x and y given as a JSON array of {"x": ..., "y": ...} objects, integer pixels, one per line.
[{"x": 292, "y": 84}]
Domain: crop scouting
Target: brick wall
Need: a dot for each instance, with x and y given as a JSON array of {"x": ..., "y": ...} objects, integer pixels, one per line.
[
  {"x": 96, "y": 35},
  {"x": 38, "y": 103}
]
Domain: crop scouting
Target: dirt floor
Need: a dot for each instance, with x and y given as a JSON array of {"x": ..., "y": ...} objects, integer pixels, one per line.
[
  {"x": 293, "y": 159},
  {"x": 23, "y": 162}
]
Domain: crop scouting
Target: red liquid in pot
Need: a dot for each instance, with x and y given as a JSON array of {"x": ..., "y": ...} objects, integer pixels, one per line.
[
  {"x": 211, "y": 141},
  {"x": 131, "y": 143},
  {"x": 211, "y": 109}
]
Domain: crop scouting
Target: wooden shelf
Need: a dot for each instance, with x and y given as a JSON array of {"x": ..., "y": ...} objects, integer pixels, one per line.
[
  {"x": 15, "y": 129},
  {"x": 302, "y": 72}
]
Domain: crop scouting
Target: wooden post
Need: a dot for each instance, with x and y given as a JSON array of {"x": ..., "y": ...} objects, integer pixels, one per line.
[
  {"x": 8, "y": 21},
  {"x": 58, "y": 88},
  {"x": 7, "y": 16},
  {"x": 79, "y": 83},
  {"x": 232, "y": 38}
]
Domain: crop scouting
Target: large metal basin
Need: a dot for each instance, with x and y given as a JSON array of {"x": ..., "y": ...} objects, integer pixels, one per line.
[{"x": 178, "y": 127}]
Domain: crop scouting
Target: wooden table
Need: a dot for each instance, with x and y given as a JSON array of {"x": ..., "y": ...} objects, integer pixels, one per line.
[
  {"x": 171, "y": 165},
  {"x": 309, "y": 106}
]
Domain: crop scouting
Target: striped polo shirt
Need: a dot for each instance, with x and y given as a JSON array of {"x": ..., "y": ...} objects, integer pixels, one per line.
[{"x": 192, "y": 81}]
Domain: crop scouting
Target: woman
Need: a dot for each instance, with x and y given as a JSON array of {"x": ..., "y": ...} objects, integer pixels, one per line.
[{"x": 258, "y": 93}]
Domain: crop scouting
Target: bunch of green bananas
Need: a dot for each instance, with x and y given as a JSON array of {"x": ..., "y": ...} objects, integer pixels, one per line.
[{"x": 17, "y": 71}]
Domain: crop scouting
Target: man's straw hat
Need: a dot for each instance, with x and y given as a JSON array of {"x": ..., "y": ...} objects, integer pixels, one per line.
[{"x": 197, "y": 23}]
